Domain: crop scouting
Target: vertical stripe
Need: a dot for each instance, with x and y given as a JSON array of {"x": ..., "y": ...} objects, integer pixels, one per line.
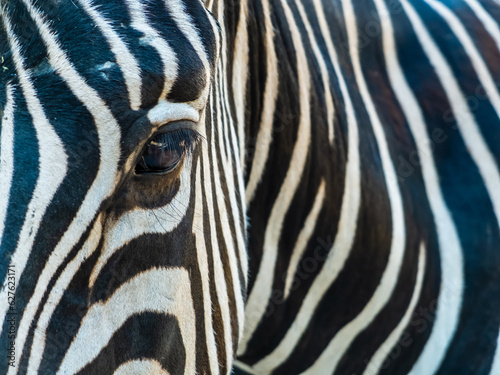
[
  {"x": 240, "y": 75},
  {"x": 262, "y": 289},
  {"x": 224, "y": 219},
  {"x": 346, "y": 227},
  {"x": 201, "y": 252},
  {"x": 265, "y": 134},
  {"x": 304, "y": 237},
  {"x": 448, "y": 311},
  {"x": 330, "y": 110},
  {"x": 333, "y": 353},
  {"x": 384, "y": 350},
  {"x": 229, "y": 167},
  {"x": 220, "y": 282},
  {"x": 6, "y": 155}
]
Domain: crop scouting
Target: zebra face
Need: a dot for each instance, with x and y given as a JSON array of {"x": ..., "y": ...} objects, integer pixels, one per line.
[{"x": 111, "y": 218}]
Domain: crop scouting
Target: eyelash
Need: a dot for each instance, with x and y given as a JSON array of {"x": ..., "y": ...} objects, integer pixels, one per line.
[{"x": 164, "y": 148}]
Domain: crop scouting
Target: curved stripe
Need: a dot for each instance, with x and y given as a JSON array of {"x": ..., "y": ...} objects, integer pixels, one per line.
[
  {"x": 448, "y": 309},
  {"x": 346, "y": 227},
  {"x": 186, "y": 26},
  {"x": 6, "y": 155},
  {"x": 262, "y": 289},
  {"x": 335, "y": 350},
  {"x": 478, "y": 63},
  {"x": 56, "y": 294},
  {"x": 172, "y": 290},
  {"x": 139, "y": 222},
  {"x": 330, "y": 110},
  {"x": 141, "y": 367},
  {"x": 153, "y": 38},
  {"x": 385, "y": 349},
  {"x": 53, "y": 163},
  {"x": 201, "y": 252},
  {"x": 265, "y": 134},
  {"x": 124, "y": 58},
  {"x": 467, "y": 125},
  {"x": 104, "y": 183},
  {"x": 304, "y": 237}
]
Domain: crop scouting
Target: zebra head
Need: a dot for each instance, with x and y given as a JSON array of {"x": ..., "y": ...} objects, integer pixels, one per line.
[{"x": 122, "y": 251}]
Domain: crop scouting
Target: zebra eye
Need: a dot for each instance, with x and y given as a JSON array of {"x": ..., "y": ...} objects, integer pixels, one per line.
[{"x": 165, "y": 150}]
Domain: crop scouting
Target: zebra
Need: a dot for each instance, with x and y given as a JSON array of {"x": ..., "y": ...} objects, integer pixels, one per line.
[{"x": 292, "y": 186}]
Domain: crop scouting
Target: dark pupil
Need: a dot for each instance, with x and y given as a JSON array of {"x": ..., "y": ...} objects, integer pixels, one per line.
[{"x": 161, "y": 155}]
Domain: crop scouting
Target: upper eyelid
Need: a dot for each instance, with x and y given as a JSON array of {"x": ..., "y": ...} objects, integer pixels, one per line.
[{"x": 176, "y": 125}]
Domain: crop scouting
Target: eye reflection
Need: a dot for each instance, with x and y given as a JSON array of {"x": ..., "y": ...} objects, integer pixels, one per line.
[
  {"x": 165, "y": 150},
  {"x": 159, "y": 157}
]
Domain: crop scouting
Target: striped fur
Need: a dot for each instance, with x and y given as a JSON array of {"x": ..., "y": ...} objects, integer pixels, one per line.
[
  {"x": 359, "y": 138},
  {"x": 373, "y": 246},
  {"x": 117, "y": 273}
]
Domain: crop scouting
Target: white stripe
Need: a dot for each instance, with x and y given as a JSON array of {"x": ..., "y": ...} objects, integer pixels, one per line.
[
  {"x": 346, "y": 226},
  {"x": 240, "y": 75},
  {"x": 139, "y": 222},
  {"x": 154, "y": 39},
  {"x": 201, "y": 252},
  {"x": 467, "y": 125},
  {"x": 160, "y": 290},
  {"x": 330, "y": 110},
  {"x": 265, "y": 134},
  {"x": 57, "y": 292},
  {"x": 488, "y": 21},
  {"x": 448, "y": 309},
  {"x": 141, "y": 367},
  {"x": 6, "y": 155},
  {"x": 229, "y": 168},
  {"x": 104, "y": 183},
  {"x": 243, "y": 366},
  {"x": 220, "y": 282},
  {"x": 335, "y": 350},
  {"x": 52, "y": 167},
  {"x": 224, "y": 219},
  {"x": 262, "y": 289},
  {"x": 185, "y": 24},
  {"x": 480, "y": 67},
  {"x": 127, "y": 62},
  {"x": 384, "y": 350},
  {"x": 304, "y": 237},
  {"x": 240, "y": 236},
  {"x": 495, "y": 368}
]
